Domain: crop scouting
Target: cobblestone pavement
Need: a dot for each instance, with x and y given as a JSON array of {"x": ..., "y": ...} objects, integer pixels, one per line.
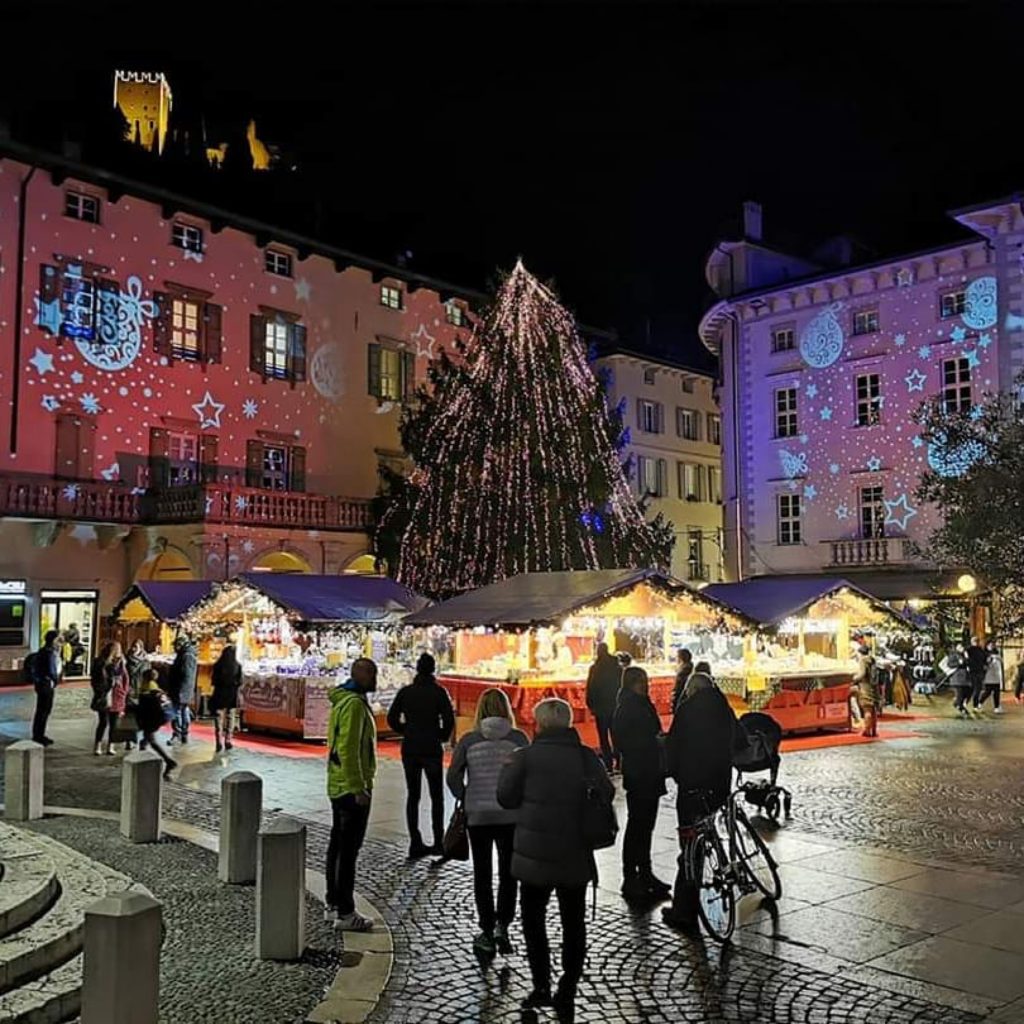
[{"x": 949, "y": 794}]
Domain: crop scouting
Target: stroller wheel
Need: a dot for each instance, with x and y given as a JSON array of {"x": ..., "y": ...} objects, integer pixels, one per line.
[
  {"x": 788, "y": 803},
  {"x": 771, "y": 807}
]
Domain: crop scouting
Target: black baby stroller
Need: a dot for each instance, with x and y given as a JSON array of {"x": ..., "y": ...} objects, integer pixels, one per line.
[{"x": 761, "y": 754}]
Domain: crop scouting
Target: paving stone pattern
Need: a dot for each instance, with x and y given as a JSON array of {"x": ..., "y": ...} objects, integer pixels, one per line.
[{"x": 209, "y": 973}]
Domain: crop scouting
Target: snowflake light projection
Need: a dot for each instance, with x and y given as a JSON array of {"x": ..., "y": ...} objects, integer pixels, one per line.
[{"x": 980, "y": 303}]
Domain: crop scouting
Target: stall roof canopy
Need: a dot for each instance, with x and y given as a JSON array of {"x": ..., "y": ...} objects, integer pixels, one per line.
[
  {"x": 771, "y": 599},
  {"x": 335, "y": 598},
  {"x": 538, "y": 598},
  {"x": 168, "y": 600}
]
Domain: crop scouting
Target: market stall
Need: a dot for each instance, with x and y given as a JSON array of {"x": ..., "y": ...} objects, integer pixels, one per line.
[
  {"x": 534, "y": 635},
  {"x": 297, "y": 635},
  {"x": 804, "y": 660}
]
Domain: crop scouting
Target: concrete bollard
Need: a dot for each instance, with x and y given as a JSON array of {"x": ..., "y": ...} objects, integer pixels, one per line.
[
  {"x": 23, "y": 781},
  {"x": 241, "y": 803},
  {"x": 141, "y": 797},
  {"x": 121, "y": 967},
  {"x": 281, "y": 891}
]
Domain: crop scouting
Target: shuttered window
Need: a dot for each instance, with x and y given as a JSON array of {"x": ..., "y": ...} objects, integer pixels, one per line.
[
  {"x": 277, "y": 346},
  {"x": 275, "y": 466},
  {"x": 391, "y": 373},
  {"x": 188, "y": 326}
]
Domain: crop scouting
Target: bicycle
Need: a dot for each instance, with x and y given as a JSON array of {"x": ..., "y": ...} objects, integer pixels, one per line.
[{"x": 726, "y": 857}]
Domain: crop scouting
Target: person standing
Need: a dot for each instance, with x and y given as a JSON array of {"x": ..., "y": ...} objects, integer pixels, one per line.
[
  {"x": 473, "y": 778},
  {"x": 154, "y": 712},
  {"x": 636, "y": 729},
  {"x": 45, "y": 669},
  {"x": 866, "y": 680},
  {"x": 684, "y": 673},
  {"x": 954, "y": 669},
  {"x": 977, "y": 663},
  {"x": 1018, "y": 685},
  {"x": 351, "y": 768},
  {"x": 546, "y": 783},
  {"x": 226, "y": 679},
  {"x": 699, "y": 753},
  {"x": 993, "y": 680},
  {"x": 602, "y": 692},
  {"x": 110, "y": 686},
  {"x": 181, "y": 686},
  {"x": 137, "y": 663},
  {"x": 422, "y": 715}
]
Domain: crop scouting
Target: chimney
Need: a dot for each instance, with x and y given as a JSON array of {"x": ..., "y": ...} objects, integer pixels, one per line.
[{"x": 752, "y": 221}]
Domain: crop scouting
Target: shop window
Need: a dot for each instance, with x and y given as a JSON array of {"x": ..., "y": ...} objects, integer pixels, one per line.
[
  {"x": 785, "y": 413},
  {"x": 872, "y": 512},
  {"x": 277, "y": 346},
  {"x": 789, "y": 525},
  {"x": 81, "y": 206},
  {"x": 688, "y": 424},
  {"x": 956, "y": 385},
  {"x": 869, "y": 399},
  {"x": 391, "y": 373},
  {"x": 187, "y": 325}
]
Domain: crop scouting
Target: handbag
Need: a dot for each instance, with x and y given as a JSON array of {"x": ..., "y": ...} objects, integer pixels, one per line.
[
  {"x": 455, "y": 845},
  {"x": 600, "y": 826},
  {"x": 127, "y": 727}
]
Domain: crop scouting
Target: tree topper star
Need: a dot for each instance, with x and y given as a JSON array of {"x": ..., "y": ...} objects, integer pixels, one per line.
[{"x": 208, "y": 412}]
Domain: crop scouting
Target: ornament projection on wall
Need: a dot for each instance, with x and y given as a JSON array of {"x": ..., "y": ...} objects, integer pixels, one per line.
[
  {"x": 325, "y": 371},
  {"x": 793, "y": 464},
  {"x": 821, "y": 341},
  {"x": 980, "y": 310},
  {"x": 956, "y": 461}
]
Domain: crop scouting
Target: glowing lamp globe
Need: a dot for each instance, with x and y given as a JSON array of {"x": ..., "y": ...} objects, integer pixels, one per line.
[{"x": 966, "y": 583}]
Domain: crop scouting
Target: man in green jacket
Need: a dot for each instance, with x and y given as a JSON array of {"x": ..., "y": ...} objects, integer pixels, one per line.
[{"x": 351, "y": 767}]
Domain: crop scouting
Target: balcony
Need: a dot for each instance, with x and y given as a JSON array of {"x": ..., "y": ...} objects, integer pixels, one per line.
[
  {"x": 697, "y": 572},
  {"x": 97, "y": 501},
  {"x": 869, "y": 551}
]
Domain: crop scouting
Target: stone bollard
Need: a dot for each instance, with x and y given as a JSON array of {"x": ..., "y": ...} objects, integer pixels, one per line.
[
  {"x": 23, "y": 781},
  {"x": 141, "y": 797},
  {"x": 121, "y": 968},
  {"x": 281, "y": 891},
  {"x": 241, "y": 803}
]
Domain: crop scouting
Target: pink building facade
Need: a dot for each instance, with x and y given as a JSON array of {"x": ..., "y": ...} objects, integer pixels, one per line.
[
  {"x": 185, "y": 394},
  {"x": 822, "y": 374}
]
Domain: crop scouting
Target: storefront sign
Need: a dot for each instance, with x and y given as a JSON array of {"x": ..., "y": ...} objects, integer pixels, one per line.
[{"x": 13, "y": 587}]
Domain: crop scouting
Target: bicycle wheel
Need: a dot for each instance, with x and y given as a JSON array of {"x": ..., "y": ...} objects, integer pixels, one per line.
[
  {"x": 716, "y": 900},
  {"x": 756, "y": 858}
]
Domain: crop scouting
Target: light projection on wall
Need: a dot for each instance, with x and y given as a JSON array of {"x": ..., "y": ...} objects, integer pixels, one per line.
[
  {"x": 980, "y": 306},
  {"x": 821, "y": 341},
  {"x": 208, "y": 411},
  {"x": 956, "y": 461},
  {"x": 325, "y": 371}
]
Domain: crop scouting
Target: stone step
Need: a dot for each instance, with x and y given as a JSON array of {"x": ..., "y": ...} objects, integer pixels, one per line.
[
  {"x": 51, "y": 999},
  {"x": 28, "y": 885}
]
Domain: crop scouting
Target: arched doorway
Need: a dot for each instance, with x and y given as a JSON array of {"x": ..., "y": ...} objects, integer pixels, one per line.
[
  {"x": 169, "y": 564},
  {"x": 281, "y": 561},
  {"x": 363, "y": 565}
]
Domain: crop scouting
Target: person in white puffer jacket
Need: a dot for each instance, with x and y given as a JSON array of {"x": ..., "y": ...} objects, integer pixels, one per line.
[
  {"x": 473, "y": 778},
  {"x": 993, "y": 683}
]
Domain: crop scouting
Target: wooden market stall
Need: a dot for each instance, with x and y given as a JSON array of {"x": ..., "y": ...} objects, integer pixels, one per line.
[
  {"x": 297, "y": 634},
  {"x": 805, "y": 657},
  {"x": 535, "y": 635}
]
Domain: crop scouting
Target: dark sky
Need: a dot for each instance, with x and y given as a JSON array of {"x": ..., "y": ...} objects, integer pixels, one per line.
[{"x": 610, "y": 144}]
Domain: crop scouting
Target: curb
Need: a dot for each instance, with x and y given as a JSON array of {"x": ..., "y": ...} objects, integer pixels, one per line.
[{"x": 369, "y": 956}]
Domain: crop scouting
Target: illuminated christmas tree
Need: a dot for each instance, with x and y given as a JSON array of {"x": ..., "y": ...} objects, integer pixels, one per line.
[{"x": 516, "y": 465}]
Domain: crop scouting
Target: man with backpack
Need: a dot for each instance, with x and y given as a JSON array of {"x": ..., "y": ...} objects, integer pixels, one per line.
[{"x": 43, "y": 669}]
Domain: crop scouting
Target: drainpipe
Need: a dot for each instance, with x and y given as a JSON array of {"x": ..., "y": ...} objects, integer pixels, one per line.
[{"x": 19, "y": 305}]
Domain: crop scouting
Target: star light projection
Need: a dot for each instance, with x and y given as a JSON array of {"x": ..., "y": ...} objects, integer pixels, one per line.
[
  {"x": 832, "y": 462},
  {"x": 519, "y": 471}
]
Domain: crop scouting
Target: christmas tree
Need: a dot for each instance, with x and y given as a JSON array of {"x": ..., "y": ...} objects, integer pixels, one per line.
[{"x": 516, "y": 464}]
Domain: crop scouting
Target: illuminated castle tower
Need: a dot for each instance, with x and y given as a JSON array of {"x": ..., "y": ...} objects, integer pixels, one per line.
[{"x": 144, "y": 98}]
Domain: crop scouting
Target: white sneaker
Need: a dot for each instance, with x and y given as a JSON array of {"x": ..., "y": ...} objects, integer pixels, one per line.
[
  {"x": 354, "y": 922},
  {"x": 997, "y": 711}
]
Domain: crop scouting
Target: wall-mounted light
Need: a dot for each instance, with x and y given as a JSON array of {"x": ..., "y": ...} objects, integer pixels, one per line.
[{"x": 966, "y": 584}]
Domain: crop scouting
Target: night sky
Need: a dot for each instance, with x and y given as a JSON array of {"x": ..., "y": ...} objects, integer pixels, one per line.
[{"x": 610, "y": 145}]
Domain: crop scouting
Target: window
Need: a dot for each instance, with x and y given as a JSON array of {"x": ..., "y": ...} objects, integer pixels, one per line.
[
  {"x": 952, "y": 303},
  {"x": 275, "y": 466},
  {"x": 688, "y": 424},
  {"x": 650, "y": 375},
  {"x": 695, "y": 567},
  {"x": 715, "y": 485},
  {"x": 78, "y": 303},
  {"x": 651, "y": 477},
  {"x": 785, "y": 412},
  {"x": 691, "y": 481},
  {"x": 869, "y": 400},
  {"x": 865, "y": 321},
  {"x": 872, "y": 512},
  {"x": 277, "y": 346},
  {"x": 454, "y": 313},
  {"x": 688, "y": 385},
  {"x": 956, "y": 385},
  {"x": 390, "y": 296},
  {"x": 783, "y": 339},
  {"x": 649, "y": 416},
  {"x": 185, "y": 329},
  {"x": 79, "y": 206},
  {"x": 392, "y": 373},
  {"x": 714, "y": 428},
  {"x": 789, "y": 518},
  {"x": 182, "y": 459},
  {"x": 277, "y": 262},
  {"x": 187, "y": 237}
]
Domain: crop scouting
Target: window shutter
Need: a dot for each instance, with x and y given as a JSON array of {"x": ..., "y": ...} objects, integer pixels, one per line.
[
  {"x": 662, "y": 478},
  {"x": 373, "y": 370},
  {"x": 696, "y": 426},
  {"x": 213, "y": 316},
  {"x": 641, "y": 474},
  {"x": 297, "y": 352},
  {"x": 208, "y": 458},
  {"x": 408, "y": 374},
  {"x": 162, "y": 324},
  {"x": 298, "y": 460},
  {"x": 66, "y": 456},
  {"x": 639, "y": 414},
  {"x": 159, "y": 463},
  {"x": 660, "y": 417},
  {"x": 253, "y": 463},
  {"x": 108, "y": 305},
  {"x": 258, "y": 344},
  {"x": 701, "y": 483}
]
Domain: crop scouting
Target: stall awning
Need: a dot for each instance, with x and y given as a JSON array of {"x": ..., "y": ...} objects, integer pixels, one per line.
[
  {"x": 168, "y": 600},
  {"x": 542, "y": 598},
  {"x": 336, "y": 598},
  {"x": 771, "y": 599}
]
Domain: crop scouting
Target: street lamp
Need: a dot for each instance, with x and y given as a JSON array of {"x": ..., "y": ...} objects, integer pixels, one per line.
[{"x": 966, "y": 584}]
